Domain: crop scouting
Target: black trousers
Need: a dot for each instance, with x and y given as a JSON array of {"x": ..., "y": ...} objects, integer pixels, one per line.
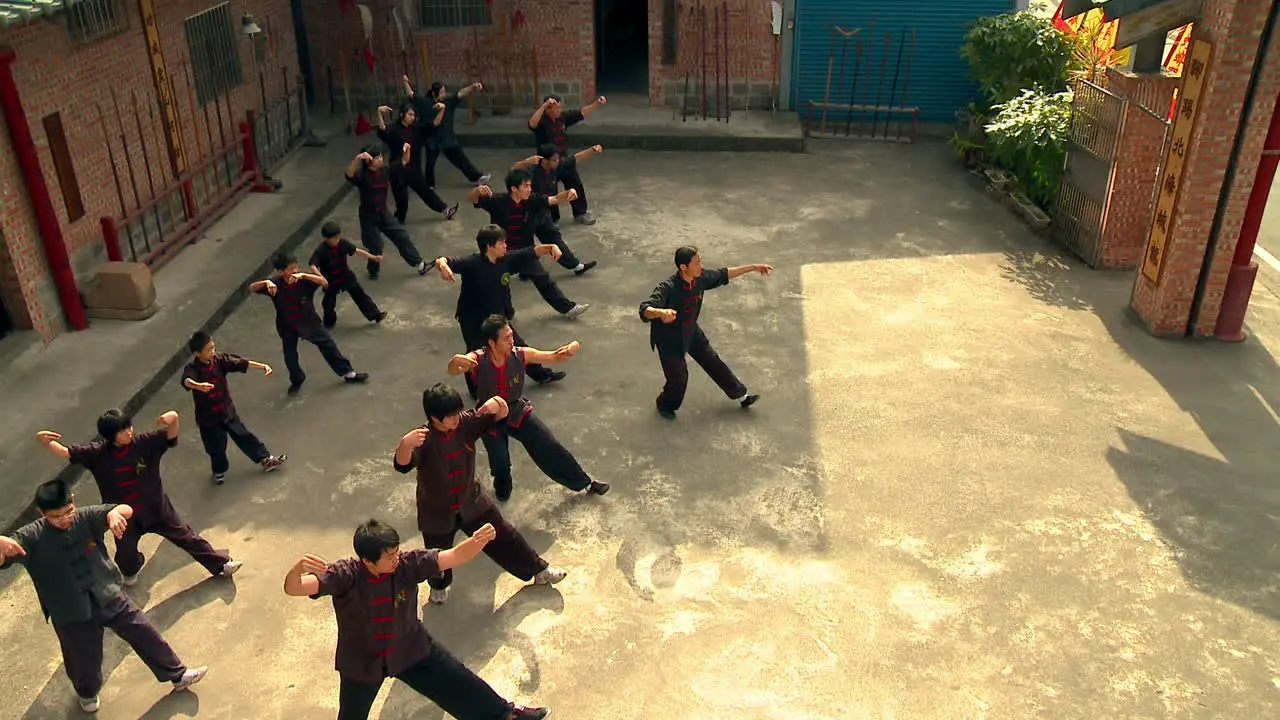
[
  {"x": 375, "y": 225},
  {"x": 409, "y": 178},
  {"x": 547, "y": 288},
  {"x": 508, "y": 549},
  {"x": 163, "y": 520},
  {"x": 548, "y": 234},
  {"x": 676, "y": 370},
  {"x": 329, "y": 302},
  {"x": 475, "y": 340},
  {"x": 572, "y": 181},
  {"x": 82, "y": 645},
  {"x": 214, "y": 438},
  {"x": 553, "y": 459},
  {"x": 324, "y": 343},
  {"x": 439, "y": 677},
  {"x": 455, "y": 155}
]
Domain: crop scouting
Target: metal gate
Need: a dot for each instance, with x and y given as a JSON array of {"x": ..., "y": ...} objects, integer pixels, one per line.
[{"x": 1097, "y": 117}]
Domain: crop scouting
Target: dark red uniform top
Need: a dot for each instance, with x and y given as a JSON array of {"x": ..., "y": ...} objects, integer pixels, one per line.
[
  {"x": 214, "y": 407},
  {"x": 446, "y": 465},
  {"x": 128, "y": 475},
  {"x": 373, "y": 186},
  {"x": 518, "y": 219},
  {"x": 295, "y": 305},
  {"x": 551, "y": 130},
  {"x": 379, "y": 633},
  {"x": 686, "y": 299},
  {"x": 332, "y": 261},
  {"x": 506, "y": 382},
  {"x": 546, "y": 181}
]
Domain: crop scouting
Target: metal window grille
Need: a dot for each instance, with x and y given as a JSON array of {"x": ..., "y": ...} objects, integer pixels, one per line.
[
  {"x": 453, "y": 13},
  {"x": 89, "y": 20},
  {"x": 215, "y": 58}
]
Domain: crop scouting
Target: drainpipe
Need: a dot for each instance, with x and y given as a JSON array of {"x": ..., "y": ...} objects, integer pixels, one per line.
[
  {"x": 24, "y": 147},
  {"x": 1235, "y": 298}
]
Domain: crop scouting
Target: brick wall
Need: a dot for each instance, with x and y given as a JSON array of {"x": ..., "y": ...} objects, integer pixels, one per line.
[
  {"x": 55, "y": 74},
  {"x": 750, "y": 53}
]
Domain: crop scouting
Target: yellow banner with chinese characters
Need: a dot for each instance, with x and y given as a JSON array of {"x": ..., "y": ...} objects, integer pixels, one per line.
[
  {"x": 1184, "y": 122},
  {"x": 164, "y": 89}
]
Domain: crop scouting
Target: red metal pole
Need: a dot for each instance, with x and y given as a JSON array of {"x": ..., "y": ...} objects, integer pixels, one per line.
[
  {"x": 55, "y": 246},
  {"x": 111, "y": 238},
  {"x": 1235, "y": 296}
]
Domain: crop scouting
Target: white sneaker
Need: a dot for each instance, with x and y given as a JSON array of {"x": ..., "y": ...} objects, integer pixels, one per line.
[
  {"x": 576, "y": 311},
  {"x": 89, "y": 705},
  {"x": 131, "y": 580},
  {"x": 438, "y": 597},
  {"x": 231, "y": 568},
  {"x": 550, "y": 576},
  {"x": 190, "y": 677},
  {"x": 484, "y": 179}
]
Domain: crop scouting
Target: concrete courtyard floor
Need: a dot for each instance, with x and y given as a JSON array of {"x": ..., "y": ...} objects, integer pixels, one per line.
[{"x": 974, "y": 487}]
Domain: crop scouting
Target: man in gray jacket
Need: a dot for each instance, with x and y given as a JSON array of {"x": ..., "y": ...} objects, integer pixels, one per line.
[{"x": 79, "y": 590}]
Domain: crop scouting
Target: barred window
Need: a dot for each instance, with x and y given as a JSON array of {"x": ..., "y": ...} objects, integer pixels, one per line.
[
  {"x": 215, "y": 57},
  {"x": 89, "y": 20},
  {"x": 453, "y": 13}
]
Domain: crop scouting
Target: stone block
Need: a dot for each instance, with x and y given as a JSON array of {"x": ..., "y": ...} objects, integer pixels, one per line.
[{"x": 122, "y": 290}]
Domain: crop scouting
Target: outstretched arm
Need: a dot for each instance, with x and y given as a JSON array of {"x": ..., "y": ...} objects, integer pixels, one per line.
[
  {"x": 589, "y": 152},
  {"x": 587, "y": 110},
  {"x": 481, "y": 191},
  {"x": 744, "y": 269},
  {"x": 470, "y": 89},
  {"x": 542, "y": 357},
  {"x": 467, "y": 550},
  {"x": 50, "y": 440},
  {"x": 531, "y": 160}
]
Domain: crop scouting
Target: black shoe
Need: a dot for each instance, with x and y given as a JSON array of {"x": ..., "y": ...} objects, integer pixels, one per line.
[
  {"x": 219, "y": 478},
  {"x": 295, "y": 387},
  {"x": 585, "y": 267},
  {"x": 373, "y": 274},
  {"x": 450, "y": 212},
  {"x": 553, "y": 376},
  {"x": 357, "y": 378},
  {"x": 380, "y": 316},
  {"x": 502, "y": 488},
  {"x": 749, "y": 400},
  {"x": 668, "y": 414},
  {"x": 529, "y": 713},
  {"x": 598, "y": 488},
  {"x": 328, "y": 324}
]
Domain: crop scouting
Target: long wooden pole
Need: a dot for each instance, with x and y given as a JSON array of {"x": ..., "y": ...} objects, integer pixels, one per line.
[
  {"x": 151, "y": 183},
  {"x": 195, "y": 128}
]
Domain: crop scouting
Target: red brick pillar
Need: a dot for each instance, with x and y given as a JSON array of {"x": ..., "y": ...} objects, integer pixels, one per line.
[
  {"x": 1204, "y": 204},
  {"x": 1137, "y": 165}
]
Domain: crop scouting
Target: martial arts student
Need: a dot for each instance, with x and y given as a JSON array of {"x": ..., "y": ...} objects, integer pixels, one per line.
[
  {"x": 404, "y": 136},
  {"x": 449, "y": 499},
  {"x": 368, "y": 172},
  {"x": 375, "y": 600},
  {"x": 548, "y": 124},
  {"x": 126, "y": 467},
  {"x": 330, "y": 261},
  {"x": 519, "y": 211},
  {"x": 440, "y": 135},
  {"x": 293, "y": 294},
  {"x": 486, "y": 290},
  {"x": 216, "y": 416},
  {"x": 551, "y": 168},
  {"x": 499, "y": 371},
  {"x": 79, "y": 590},
  {"x": 544, "y": 225},
  {"x": 672, "y": 313}
]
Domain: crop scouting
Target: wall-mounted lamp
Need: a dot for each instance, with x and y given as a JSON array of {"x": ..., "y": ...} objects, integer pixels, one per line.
[{"x": 248, "y": 26}]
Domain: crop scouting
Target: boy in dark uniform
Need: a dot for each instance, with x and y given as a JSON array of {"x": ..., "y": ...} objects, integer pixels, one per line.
[
  {"x": 449, "y": 499},
  {"x": 375, "y": 599},
  {"x": 330, "y": 261},
  {"x": 440, "y": 136},
  {"x": 520, "y": 212},
  {"x": 126, "y": 467},
  {"x": 499, "y": 371},
  {"x": 550, "y": 168},
  {"x": 368, "y": 173},
  {"x": 206, "y": 377},
  {"x": 679, "y": 298},
  {"x": 549, "y": 123},
  {"x": 406, "y": 137},
  {"x": 79, "y": 590},
  {"x": 293, "y": 294}
]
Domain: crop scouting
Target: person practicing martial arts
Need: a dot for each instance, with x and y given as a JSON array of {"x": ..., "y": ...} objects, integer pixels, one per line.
[
  {"x": 486, "y": 290},
  {"x": 548, "y": 124},
  {"x": 65, "y": 554},
  {"x": 405, "y": 136},
  {"x": 440, "y": 136},
  {"x": 126, "y": 467},
  {"x": 549, "y": 168},
  {"x": 499, "y": 371},
  {"x": 330, "y": 261},
  {"x": 368, "y": 172},
  {"x": 672, "y": 313},
  {"x": 449, "y": 499},
  {"x": 293, "y": 294},
  {"x": 520, "y": 211},
  {"x": 380, "y": 636},
  {"x": 206, "y": 377}
]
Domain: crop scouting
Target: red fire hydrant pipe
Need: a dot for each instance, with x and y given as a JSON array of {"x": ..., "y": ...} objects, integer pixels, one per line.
[{"x": 55, "y": 246}]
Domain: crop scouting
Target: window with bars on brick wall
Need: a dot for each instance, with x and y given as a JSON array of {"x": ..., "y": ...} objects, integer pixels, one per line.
[
  {"x": 453, "y": 13},
  {"x": 90, "y": 20},
  {"x": 215, "y": 58}
]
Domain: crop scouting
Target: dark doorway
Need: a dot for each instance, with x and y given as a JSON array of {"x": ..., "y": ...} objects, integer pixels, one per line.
[
  {"x": 622, "y": 46},
  {"x": 6, "y": 325}
]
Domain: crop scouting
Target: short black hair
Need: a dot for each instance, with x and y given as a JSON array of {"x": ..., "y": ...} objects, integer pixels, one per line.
[
  {"x": 547, "y": 151},
  {"x": 53, "y": 495},
  {"x": 373, "y": 149},
  {"x": 282, "y": 260},
  {"x": 440, "y": 401},
  {"x": 112, "y": 423},
  {"x": 492, "y": 326},
  {"x": 373, "y": 538},
  {"x": 199, "y": 339},
  {"x": 685, "y": 255},
  {"x": 436, "y": 87},
  {"x": 405, "y": 107},
  {"x": 516, "y": 178},
  {"x": 330, "y": 229},
  {"x": 489, "y": 236}
]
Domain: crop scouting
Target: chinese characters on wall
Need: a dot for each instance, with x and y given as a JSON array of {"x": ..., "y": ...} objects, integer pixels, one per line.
[{"x": 164, "y": 89}]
